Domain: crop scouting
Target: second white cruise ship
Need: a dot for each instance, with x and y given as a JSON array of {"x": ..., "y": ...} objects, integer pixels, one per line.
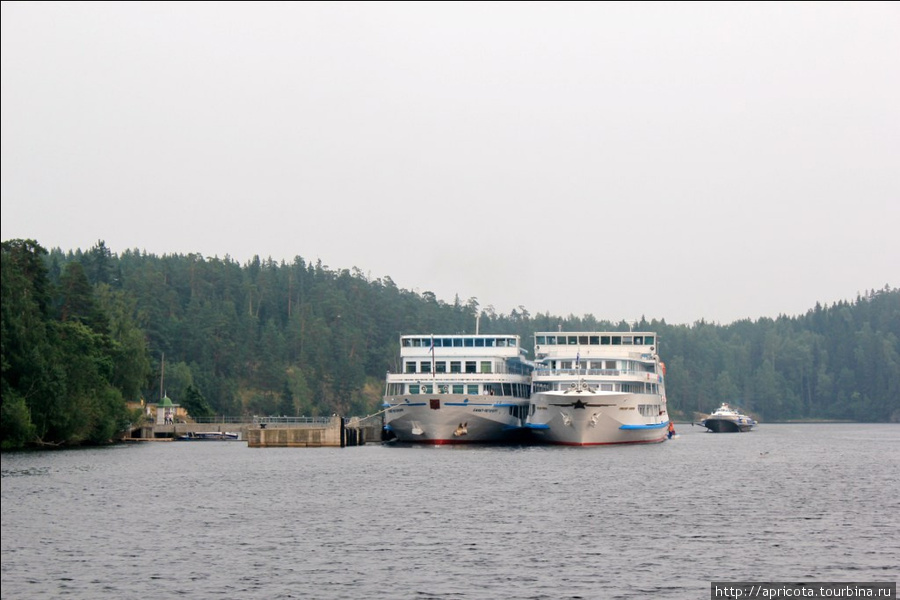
[{"x": 592, "y": 388}]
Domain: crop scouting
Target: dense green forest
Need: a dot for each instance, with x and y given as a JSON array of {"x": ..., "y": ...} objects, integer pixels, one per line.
[{"x": 84, "y": 332}]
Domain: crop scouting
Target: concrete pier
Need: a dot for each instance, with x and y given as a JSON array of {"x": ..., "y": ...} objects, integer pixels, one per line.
[
  {"x": 314, "y": 435},
  {"x": 335, "y": 433},
  {"x": 276, "y": 432}
]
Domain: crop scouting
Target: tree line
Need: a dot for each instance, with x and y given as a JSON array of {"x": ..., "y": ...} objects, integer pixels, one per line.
[{"x": 84, "y": 332}]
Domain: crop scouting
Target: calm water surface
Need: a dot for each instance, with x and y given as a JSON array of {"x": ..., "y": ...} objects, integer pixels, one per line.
[{"x": 219, "y": 519}]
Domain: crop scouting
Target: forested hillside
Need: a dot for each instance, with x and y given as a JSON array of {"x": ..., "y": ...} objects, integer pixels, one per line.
[{"x": 84, "y": 332}]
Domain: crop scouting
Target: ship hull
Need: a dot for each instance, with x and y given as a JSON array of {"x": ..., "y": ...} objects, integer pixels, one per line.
[
  {"x": 728, "y": 420},
  {"x": 455, "y": 419},
  {"x": 595, "y": 419},
  {"x": 726, "y": 426}
]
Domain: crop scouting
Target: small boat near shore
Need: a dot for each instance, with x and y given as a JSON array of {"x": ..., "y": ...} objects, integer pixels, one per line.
[
  {"x": 208, "y": 436},
  {"x": 726, "y": 419}
]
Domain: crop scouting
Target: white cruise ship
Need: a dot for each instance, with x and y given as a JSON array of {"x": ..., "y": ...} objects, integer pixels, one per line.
[
  {"x": 592, "y": 388},
  {"x": 456, "y": 389}
]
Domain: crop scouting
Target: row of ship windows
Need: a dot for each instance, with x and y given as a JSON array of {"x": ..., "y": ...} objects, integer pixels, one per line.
[
  {"x": 627, "y": 387},
  {"x": 603, "y": 365},
  {"x": 650, "y": 410},
  {"x": 458, "y": 342},
  {"x": 609, "y": 365},
  {"x": 456, "y": 366},
  {"x": 518, "y": 390},
  {"x": 594, "y": 340},
  {"x": 486, "y": 366}
]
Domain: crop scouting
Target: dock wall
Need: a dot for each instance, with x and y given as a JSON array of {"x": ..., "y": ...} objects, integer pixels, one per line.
[
  {"x": 336, "y": 433},
  {"x": 297, "y": 436},
  {"x": 278, "y": 433}
]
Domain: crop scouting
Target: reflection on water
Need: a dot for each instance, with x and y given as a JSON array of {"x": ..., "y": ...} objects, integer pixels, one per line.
[{"x": 784, "y": 502}]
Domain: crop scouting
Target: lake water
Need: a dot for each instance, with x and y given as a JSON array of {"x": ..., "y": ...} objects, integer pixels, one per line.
[{"x": 218, "y": 519}]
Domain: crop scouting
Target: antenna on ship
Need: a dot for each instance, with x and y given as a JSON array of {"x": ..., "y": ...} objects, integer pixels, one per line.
[
  {"x": 578, "y": 366},
  {"x": 433, "y": 374}
]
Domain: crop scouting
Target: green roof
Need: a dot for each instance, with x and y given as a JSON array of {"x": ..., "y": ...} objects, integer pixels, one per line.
[{"x": 166, "y": 402}]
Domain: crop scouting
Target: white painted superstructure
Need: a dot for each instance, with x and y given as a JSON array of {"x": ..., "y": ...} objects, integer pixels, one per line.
[
  {"x": 592, "y": 388},
  {"x": 454, "y": 389}
]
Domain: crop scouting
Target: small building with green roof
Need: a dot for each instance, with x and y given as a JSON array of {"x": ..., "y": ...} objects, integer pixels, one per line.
[{"x": 165, "y": 411}]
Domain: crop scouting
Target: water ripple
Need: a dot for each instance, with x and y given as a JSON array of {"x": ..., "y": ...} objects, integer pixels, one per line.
[{"x": 791, "y": 502}]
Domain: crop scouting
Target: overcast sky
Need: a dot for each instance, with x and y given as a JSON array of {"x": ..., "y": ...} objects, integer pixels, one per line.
[{"x": 676, "y": 160}]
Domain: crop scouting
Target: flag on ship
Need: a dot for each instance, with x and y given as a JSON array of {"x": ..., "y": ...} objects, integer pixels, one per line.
[{"x": 432, "y": 356}]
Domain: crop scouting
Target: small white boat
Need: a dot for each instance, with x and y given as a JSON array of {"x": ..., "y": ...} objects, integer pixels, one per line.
[{"x": 726, "y": 419}]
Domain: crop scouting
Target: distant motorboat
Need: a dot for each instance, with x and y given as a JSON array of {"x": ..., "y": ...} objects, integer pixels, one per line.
[{"x": 726, "y": 419}]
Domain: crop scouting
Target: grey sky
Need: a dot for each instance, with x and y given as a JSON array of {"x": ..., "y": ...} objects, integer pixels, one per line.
[{"x": 676, "y": 160}]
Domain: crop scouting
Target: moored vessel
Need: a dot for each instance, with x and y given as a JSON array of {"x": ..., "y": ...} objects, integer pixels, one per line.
[
  {"x": 726, "y": 419},
  {"x": 201, "y": 436},
  {"x": 593, "y": 388},
  {"x": 456, "y": 389}
]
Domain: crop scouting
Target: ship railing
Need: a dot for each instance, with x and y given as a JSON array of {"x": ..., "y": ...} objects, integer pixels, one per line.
[
  {"x": 423, "y": 374},
  {"x": 221, "y": 419},
  {"x": 593, "y": 373},
  {"x": 584, "y": 372},
  {"x": 449, "y": 381},
  {"x": 273, "y": 421},
  {"x": 289, "y": 421}
]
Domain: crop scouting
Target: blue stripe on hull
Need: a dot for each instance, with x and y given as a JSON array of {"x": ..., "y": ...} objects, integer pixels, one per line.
[
  {"x": 651, "y": 426},
  {"x": 656, "y": 441}
]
